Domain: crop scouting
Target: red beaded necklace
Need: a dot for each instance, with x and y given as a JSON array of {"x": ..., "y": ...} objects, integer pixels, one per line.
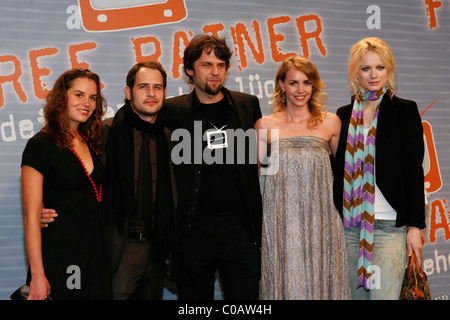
[{"x": 98, "y": 192}]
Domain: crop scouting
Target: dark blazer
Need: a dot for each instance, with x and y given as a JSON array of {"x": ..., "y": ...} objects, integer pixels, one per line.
[
  {"x": 399, "y": 151},
  {"x": 181, "y": 112}
]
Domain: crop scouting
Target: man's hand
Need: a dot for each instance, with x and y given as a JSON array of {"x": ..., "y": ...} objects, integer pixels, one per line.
[{"x": 47, "y": 216}]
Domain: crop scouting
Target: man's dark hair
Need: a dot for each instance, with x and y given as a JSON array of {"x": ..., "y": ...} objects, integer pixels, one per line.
[
  {"x": 207, "y": 43},
  {"x": 131, "y": 77}
]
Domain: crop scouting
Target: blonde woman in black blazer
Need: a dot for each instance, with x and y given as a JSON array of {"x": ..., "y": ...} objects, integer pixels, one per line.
[{"x": 398, "y": 177}]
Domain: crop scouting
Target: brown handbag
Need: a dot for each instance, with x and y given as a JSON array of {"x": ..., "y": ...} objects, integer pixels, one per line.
[{"x": 415, "y": 283}]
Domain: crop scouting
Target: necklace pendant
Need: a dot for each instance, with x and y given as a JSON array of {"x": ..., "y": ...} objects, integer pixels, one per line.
[{"x": 217, "y": 139}]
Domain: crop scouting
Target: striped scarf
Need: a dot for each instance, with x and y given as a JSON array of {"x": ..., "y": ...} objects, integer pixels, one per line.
[{"x": 359, "y": 181}]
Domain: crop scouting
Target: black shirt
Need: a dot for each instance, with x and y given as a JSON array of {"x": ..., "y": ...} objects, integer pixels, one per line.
[{"x": 221, "y": 186}]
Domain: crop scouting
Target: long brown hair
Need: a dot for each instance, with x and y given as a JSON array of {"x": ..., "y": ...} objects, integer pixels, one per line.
[{"x": 56, "y": 112}]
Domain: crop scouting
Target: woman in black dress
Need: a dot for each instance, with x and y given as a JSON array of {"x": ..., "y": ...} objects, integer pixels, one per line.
[{"x": 61, "y": 170}]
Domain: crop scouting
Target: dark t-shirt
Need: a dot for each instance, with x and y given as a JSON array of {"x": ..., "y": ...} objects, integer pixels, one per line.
[{"x": 221, "y": 186}]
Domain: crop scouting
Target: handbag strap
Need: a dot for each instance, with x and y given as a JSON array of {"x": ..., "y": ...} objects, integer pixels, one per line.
[{"x": 414, "y": 264}]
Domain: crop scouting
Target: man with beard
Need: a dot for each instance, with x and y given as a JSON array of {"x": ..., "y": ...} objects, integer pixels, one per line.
[{"x": 219, "y": 204}]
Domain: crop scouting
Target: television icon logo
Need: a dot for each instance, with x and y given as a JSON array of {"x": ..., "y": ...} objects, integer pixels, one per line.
[
  {"x": 217, "y": 139},
  {"x": 131, "y": 16}
]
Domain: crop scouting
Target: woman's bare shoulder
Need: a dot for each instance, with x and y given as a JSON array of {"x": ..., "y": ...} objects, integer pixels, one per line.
[{"x": 266, "y": 122}]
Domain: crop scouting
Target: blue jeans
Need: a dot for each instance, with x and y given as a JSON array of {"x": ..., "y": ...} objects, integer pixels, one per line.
[{"x": 388, "y": 262}]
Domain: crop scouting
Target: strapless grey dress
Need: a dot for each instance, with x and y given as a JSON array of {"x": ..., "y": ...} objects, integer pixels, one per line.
[{"x": 304, "y": 255}]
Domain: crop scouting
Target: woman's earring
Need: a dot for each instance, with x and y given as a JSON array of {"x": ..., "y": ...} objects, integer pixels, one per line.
[{"x": 283, "y": 97}]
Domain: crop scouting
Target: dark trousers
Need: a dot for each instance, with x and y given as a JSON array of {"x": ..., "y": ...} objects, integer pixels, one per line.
[
  {"x": 137, "y": 276},
  {"x": 218, "y": 241}
]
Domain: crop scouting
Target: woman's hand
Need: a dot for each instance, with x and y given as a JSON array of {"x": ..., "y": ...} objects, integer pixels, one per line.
[
  {"x": 39, "y": 288},
  {"x": 414, "y": 243}
]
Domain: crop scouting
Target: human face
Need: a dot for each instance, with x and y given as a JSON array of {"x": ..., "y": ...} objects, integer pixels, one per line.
[
  {"x": 208, "y": 75},
  {"x": 148, "y": 93},
  {"x": 298, "y": 88},
  {"x": 81, "y": 100},
  {"x": 372, "y": 74}
]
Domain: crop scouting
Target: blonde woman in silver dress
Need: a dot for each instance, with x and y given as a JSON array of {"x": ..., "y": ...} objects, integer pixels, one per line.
[{"x": 303, "y": 244}]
